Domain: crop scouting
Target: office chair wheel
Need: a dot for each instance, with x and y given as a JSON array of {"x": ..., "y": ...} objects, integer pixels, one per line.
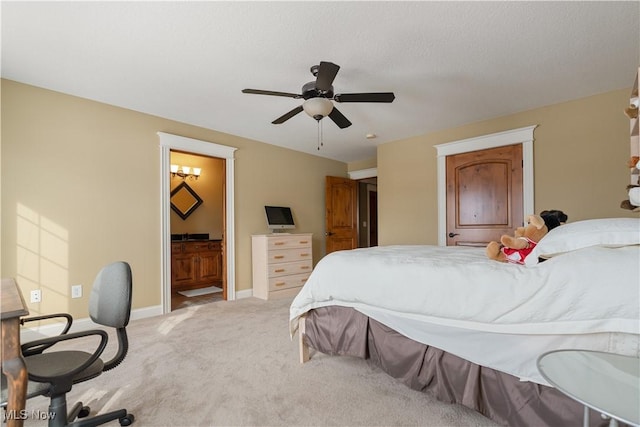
[
  {"x": 84, "y": 412},
  {"x": 127, "y": 420}
]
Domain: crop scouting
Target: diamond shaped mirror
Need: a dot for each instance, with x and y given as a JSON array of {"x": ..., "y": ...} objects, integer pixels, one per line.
[{"x": 184, "y": 200}]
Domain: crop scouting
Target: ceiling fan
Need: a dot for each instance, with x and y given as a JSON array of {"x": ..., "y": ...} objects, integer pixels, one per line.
[{"x": 318, "y": 95}]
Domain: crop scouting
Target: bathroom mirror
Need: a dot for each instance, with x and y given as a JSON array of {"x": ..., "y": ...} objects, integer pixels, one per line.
[{"x": 184, "y": 200}]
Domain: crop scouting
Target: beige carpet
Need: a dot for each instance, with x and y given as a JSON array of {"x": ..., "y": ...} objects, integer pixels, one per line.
[{"x": 233, "y": 364}]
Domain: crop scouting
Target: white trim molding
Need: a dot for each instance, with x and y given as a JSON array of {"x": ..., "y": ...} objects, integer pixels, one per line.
[
  {"x": 522, "y": 136},
  {"x": 245, "y": 293},
  {"x": 170, "y": 142},
  {"x": 363, "y": 173},
  {"x": 52, "y": 329}
]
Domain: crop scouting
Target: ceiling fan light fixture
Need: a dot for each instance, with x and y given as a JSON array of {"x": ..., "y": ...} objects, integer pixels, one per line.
[{"x": 317, "y": 107}]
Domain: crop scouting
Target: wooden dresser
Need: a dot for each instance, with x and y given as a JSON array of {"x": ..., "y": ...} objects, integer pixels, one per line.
[
  {"x": 281, "y": 263},
  {"x": 195, "y": 264}
]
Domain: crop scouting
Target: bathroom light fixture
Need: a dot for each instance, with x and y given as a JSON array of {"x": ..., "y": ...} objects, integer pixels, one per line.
[{"x": 185, "y": 172}]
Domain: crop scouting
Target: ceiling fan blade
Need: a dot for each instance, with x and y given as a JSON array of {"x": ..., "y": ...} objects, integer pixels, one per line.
[
  {"x": 365, "y": 97},
  {"x": 326, "y": 73},
  {"x": 270, "y": 92},
  {"x": 339, "y": 119},
  {"x": 287, "y": 116}
]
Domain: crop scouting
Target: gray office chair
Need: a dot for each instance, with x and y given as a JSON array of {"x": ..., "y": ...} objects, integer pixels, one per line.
[
  {"x": 33, "y": 388},
  {"x": 109, "y": 305}
]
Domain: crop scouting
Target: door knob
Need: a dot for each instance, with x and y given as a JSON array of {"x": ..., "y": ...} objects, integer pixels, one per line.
[
  {"x": 452, "y": 235},
  {"x": 328, "y": 233}
]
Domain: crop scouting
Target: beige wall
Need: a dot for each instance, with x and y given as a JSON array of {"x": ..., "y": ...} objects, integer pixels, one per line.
[
  {"x": 81, "y": 188},
  {"x": 581, "y": 150},
  {"x": 84, "y": 185},
  {"x": 209, "y": 216},
  {"x": 362, "y": 164}
]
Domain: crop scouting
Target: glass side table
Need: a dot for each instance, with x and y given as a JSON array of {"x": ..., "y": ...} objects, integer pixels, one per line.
[{"x": 606, "y": 382}]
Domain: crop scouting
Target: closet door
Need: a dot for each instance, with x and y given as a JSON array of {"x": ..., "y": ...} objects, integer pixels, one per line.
[{"x": 484, "y": 195}]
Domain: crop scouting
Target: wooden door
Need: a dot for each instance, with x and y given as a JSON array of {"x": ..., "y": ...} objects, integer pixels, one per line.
[
  {"x": 341, "y": 214},
  {"x": 484, "y": 195}
]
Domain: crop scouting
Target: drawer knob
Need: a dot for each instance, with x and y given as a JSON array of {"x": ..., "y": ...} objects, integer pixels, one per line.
[
  {"x": 280, "y": 284},
  {"x": 304, "y": 254},
  {"x": 304, "y": 267},
  {"x": 304, "y": 242},
  {"x": 278, "y": 256},
  {"x": 280, "y": 270},
  {"x": 279, "y": 243}
]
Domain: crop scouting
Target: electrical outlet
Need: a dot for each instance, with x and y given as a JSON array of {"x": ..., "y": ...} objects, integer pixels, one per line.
[
  {"x": 76, "y": 291},
  {"x": 36, "y": 295}
]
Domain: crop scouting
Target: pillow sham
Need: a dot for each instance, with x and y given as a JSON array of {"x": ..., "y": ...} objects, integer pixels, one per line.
[{"x": 611, "y": 232}]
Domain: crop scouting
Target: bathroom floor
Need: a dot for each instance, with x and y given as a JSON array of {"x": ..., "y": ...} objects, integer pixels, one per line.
[{"x": 180, "y": 301}]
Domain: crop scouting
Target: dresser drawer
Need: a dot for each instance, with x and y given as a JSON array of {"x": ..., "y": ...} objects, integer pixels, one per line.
[
  {"x": 288, "y": 255},
  {"x": 286, "y": 282},
  {"x": 286, "y": 242},
  {"x": 287, "y": 268},
  {"x": 280, "y": 263}
]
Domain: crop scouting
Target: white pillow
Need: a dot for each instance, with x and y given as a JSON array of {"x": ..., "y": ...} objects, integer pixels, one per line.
[{"x": 611, "y": 232}]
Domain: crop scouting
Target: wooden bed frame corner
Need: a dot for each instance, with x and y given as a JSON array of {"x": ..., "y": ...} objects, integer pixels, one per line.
[{"x": 304, "y": 347}]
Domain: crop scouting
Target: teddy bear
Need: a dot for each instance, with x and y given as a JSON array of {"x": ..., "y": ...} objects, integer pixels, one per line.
[
  {"x": 633, "y": 202},
  {"x": 554, "y": 218},
  {"x": 514, "y": 249},
  {"x": 631, "y": 111}
]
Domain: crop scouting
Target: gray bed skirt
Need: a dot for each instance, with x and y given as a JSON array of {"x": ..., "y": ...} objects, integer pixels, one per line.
[{"x": 499, "y": 396}]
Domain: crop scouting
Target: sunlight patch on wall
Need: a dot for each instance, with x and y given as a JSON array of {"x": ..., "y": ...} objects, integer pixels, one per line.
[{"x": 42, "y": 259}]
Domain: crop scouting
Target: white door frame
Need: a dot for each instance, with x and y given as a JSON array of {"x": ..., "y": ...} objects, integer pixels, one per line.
[
  {"x": 522, "y": 136},
  {"x": 370, "y": 188},
  {"x": 363, "y": 173},
  {"x": 170, "y": 142}
]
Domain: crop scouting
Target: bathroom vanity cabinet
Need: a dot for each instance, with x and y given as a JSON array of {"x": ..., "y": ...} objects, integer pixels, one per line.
[{"x": 196, "y": 264}]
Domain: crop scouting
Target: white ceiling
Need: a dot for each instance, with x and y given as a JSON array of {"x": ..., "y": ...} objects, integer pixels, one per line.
[{"x": 448, "y": 63}]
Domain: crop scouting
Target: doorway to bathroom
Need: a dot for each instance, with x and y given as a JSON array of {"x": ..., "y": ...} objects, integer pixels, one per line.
[
  {"x": 169, "y": 143},
  {"x": 197, "y": 220}
]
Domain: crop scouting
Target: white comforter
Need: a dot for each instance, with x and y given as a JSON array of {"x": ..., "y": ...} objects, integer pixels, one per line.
[{"x": 590, "y": 290}]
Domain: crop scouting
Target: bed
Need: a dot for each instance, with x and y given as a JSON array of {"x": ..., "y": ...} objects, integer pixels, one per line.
[{"x": 450, "y": 322}]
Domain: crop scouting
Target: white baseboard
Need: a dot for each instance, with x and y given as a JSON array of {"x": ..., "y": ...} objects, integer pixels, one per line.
[
  {"x": 30, "y": 334},
  {"x": 142, "y": 313},
  {"x": 247, "y": 293}
]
